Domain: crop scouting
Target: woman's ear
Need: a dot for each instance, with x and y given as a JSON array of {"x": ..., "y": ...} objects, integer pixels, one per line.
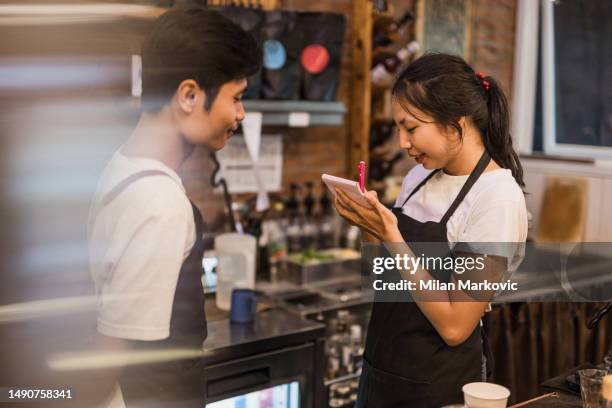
[
  {"x": 188, "y": 95},
  {"x": 452, "y": 133},
  {"x": 464, "y": 124}
]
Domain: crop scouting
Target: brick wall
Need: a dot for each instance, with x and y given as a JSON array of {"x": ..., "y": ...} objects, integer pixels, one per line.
[
  {"x": 493, "y": 36},
  {"x": 309, "y": 152}
]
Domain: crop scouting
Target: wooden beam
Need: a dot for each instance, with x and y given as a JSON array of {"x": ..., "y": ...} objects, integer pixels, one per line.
[{"x": 360, "y": 103}]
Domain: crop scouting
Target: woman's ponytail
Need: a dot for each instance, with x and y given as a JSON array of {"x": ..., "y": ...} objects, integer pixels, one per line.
[{"x": 497, "y": 138}]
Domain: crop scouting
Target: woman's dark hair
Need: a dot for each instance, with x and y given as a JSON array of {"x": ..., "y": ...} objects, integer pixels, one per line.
[
  {"x": 446, "y": 88},
  {"x": 194, "y": 43}
]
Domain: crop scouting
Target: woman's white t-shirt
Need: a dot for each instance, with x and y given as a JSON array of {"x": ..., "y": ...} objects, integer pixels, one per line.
[{"x": 493, "y": 211}]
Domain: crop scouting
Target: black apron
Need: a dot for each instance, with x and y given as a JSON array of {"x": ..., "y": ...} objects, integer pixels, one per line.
[
  {"x": 406, "y": 362},
  {"x": 177, "y": 383}
]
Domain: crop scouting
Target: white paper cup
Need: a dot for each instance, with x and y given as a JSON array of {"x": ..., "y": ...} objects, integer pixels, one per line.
[{"x": 485, "y": 395}]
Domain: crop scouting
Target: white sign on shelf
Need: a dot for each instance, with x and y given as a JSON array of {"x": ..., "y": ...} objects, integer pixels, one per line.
[
  {"x": 299, "y": 119},
  {"x": 237, "y": 165}
]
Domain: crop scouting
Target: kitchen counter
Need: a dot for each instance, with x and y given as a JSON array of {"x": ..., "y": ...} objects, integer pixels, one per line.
[
  {"x": 272, "y": 329},
  {"x": 277, "y": 348}
]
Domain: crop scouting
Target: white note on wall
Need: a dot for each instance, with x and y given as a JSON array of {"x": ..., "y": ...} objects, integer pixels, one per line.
[
  {"x": 237, "y": 165},
  {"x": 251, "y": 129},
  {"x": 299, "y": 119}
]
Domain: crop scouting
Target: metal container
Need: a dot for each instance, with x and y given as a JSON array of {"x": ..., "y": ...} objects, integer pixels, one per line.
[{"x": 327, "y": 264}]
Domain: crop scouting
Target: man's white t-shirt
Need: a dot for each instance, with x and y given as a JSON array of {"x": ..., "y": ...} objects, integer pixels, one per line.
[
  {"x": 493, "y": 211},
  {"x": 137, "y": 245}
]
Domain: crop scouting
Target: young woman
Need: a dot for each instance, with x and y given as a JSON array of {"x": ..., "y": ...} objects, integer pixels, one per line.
[{"x": 466, "y": 188}]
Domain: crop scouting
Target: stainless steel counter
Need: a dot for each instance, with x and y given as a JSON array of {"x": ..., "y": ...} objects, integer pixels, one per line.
[{"x": 272, "y": 329}]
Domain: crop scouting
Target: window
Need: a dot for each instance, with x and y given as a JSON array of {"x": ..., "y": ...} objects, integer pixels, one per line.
[{"x": 571, "y": 72}]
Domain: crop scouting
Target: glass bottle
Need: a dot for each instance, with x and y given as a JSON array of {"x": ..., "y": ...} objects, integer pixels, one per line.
[
  {"x": 310, "y": 228},
  {"x": 294, "y": 230},
  {"x": 325, "y": 221},
  {"x": 384, "y": 73}
]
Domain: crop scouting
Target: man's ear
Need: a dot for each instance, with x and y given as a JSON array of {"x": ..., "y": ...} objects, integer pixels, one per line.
[
  {"x": 463, "y": 123},
  {"x": 189, "y": 95}
]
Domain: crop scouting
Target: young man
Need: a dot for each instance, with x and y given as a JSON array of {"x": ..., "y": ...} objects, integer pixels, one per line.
[{"x": 145, "y": 235}]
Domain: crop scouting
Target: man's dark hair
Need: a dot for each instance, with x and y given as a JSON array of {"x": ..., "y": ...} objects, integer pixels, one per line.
[{"x": 194, "y": 43}]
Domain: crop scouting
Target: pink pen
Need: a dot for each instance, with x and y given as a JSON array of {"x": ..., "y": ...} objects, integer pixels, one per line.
[{"x": 362, "y": 176}]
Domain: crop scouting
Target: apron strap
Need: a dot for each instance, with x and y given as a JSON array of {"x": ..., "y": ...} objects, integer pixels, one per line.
[
  {"x": 418, "y": 187},
  {"x": 474, "y": 175},
  {"x": 115, "y": 191},
  {"x": 199, "y": 224},
  {"x": 480, "y": 166},
  {"x": 123, "y": 184},
  {"x": 488, "y": 354}
]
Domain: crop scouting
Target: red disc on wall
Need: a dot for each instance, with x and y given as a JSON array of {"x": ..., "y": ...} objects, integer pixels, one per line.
[{"x": 315, "y": 58}]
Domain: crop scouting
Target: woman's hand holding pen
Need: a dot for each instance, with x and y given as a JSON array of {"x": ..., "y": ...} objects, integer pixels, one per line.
[{"x": 376, "y": 220}]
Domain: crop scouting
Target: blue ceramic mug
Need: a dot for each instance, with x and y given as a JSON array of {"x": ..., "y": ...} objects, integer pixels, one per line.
[{"x": 243, "y": 306}]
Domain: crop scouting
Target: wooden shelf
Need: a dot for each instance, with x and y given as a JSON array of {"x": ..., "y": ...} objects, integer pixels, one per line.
[{"x": 298, "y": 113}]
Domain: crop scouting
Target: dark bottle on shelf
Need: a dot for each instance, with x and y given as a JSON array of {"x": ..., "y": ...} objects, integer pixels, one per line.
[
  {"x": 384, "y": 73},
  {"x": 380, "y": 168},
  {"x": 395, "y": 26},
  {"x": 294, "y": 230},
  {"x": 381, "y": 5},
  {"x": 380, "y": 133},
  {"x": 325, "y": 221},
  {"x": 309, "y": 200},
  {"x": 275, "y": 239},
  {"x": 309, "y": 227},
  {"x": 292, "y": 205},
  {"x": 325, "y": 203},
  {"x": 385, "y": 32}
]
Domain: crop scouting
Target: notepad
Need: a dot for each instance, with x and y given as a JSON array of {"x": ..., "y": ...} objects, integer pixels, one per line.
[{"x": 350, "y": 187}]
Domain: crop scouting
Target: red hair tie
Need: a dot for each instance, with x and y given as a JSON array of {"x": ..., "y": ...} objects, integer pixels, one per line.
[{"x": 485, "y": 83}]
